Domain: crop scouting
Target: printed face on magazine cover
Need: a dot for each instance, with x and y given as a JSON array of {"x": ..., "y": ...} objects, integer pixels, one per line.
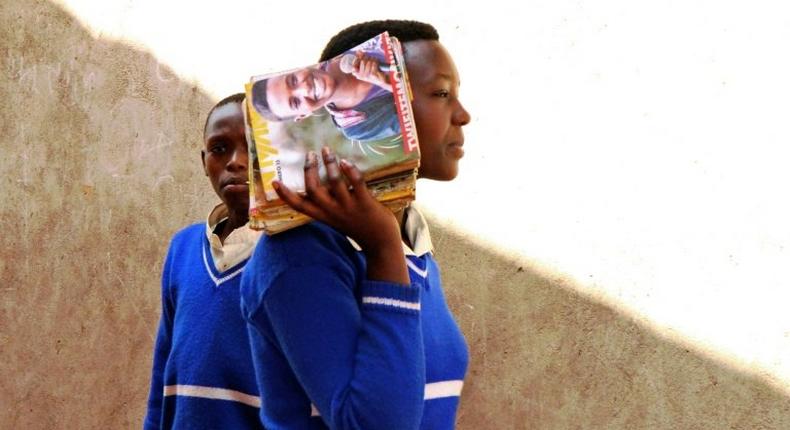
[
  {"x": 299, "y": 93},
  {"x": 225, "y": 156},
  {"x": 438, "y": 113}
]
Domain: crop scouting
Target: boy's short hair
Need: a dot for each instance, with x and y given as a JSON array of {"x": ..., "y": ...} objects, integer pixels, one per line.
[
  {"x": 261, "y": 103},
  {"x": 404, "y": 30},
  {"x": 235, "y": 98}
]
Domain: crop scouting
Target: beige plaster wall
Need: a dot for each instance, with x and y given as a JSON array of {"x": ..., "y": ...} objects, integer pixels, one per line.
[{"x": 100, "y": 167}]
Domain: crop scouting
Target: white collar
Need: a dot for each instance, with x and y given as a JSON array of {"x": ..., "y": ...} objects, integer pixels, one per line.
[
  {"x": 416, "y": 229},
  {"x": 238, "y": 245}
]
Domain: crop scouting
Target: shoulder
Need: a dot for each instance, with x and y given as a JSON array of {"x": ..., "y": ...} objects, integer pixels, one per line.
[
  {"x": 380, "y": 102},
  {"x": 298, "y": 255},
  {"x": 183, "y": 254},
  {"x": 309, "y": 245},
  {"x": 381, "y": 121},
  {"x": 188, "y": 238},
  {"x": 190, "y": 232}
]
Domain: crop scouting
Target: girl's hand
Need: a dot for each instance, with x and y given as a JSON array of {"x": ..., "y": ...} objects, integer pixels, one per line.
[{"x": 346, "y": 204}]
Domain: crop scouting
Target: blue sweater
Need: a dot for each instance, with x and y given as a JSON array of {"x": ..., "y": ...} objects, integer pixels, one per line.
[
  {"x": 334, "y": 350},
  {"x": 202, "y": 376}
]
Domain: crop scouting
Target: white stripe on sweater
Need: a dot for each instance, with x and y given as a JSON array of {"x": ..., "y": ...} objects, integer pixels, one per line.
[
  {"x": 437, "y": 390},
  {"x": 212, "y": 393},
  {"x": 423, "y": 273},
  {"x": 391, "y": 302},
  {"x": 434, "y": 390},
  {"x": 216, "y": 280}
]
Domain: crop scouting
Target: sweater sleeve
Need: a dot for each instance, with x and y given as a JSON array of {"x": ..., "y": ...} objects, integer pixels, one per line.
[
  {"x": 153, "y": 416},
  {"x": 361, "y": 362}
]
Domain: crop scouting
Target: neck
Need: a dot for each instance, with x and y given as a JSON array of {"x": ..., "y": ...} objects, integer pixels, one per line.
[
  {"x": 401, "y": 217},
  {"x": 235, "y": 220}
]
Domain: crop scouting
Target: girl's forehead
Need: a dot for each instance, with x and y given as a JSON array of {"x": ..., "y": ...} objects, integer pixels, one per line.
[{"x": 428, "y": 59}]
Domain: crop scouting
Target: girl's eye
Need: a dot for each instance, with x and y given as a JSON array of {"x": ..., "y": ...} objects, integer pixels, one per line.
[{"x": 442, "y": 93}]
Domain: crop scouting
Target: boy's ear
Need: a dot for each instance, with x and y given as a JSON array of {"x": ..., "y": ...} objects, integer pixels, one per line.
[{"x": 203, "y": 160}]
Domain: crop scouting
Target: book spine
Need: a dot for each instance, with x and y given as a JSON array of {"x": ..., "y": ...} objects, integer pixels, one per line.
[{"x": 400, "y": 93}]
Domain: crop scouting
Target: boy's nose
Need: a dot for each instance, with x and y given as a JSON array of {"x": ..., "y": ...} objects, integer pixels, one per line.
[{"x": 238, "y": 159}]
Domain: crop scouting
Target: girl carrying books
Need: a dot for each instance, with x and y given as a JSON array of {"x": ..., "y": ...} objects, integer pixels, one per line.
[{"x": 348, "y": 324}]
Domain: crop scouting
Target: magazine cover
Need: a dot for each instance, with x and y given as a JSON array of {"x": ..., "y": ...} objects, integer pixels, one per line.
[{"x": 357, "y": 103}]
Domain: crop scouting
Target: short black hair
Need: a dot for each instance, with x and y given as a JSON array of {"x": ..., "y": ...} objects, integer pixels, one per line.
[
  {"x": 404, "y": 30},
  {"x": 235, "y": 98},
  {"x": 260, "y": 103}
]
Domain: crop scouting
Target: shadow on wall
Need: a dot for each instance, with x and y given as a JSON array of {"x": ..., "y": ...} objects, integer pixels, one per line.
[{"x": 100, "y": 168}]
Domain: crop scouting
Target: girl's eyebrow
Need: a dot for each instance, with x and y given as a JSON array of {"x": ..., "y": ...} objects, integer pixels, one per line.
[{"x": 446, "y": 77}]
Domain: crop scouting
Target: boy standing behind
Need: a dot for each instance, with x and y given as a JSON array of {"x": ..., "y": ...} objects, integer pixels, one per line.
[{"x": 202, "y": 373}]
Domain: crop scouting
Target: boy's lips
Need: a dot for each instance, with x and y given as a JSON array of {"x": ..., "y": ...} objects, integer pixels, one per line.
[{"x": 234, "y": 182}]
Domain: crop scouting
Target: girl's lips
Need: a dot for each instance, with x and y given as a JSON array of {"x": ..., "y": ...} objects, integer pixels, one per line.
[{"x": 456, "y": 150}]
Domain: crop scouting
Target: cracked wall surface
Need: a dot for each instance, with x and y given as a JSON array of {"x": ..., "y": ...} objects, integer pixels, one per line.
[{"x": 100, "y": 167}]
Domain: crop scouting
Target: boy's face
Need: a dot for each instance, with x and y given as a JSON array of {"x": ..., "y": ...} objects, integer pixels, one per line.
[
  {"x": 225, "y": 156},
  {"x": 438, "y": 112}
]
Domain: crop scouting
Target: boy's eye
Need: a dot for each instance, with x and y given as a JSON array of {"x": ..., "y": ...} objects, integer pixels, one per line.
[
  {"x": 442, "y": 93},
  {"x": 217, "y": 149}
]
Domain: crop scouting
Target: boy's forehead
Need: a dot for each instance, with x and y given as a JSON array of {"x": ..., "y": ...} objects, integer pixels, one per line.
[
  {"x": 224, "y": 113},
  {"x": 225, "y": 116}
]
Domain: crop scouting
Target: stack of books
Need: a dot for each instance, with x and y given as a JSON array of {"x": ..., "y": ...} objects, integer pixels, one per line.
[{"x": 358, "y": 104}]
